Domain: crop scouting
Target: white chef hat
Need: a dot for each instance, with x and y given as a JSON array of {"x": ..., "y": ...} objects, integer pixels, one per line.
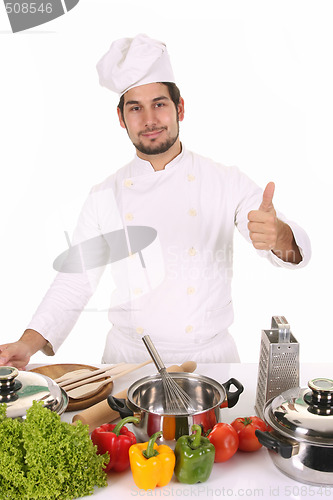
[{"x": 131, "y": 62}]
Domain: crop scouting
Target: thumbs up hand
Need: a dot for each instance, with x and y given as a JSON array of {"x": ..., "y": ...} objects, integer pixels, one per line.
[
  {"x": 267, "y": 232},
  {"x": 263, "y": 223}
]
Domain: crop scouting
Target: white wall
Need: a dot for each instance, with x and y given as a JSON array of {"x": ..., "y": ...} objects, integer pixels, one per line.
[{"x": 257, "y": 81}]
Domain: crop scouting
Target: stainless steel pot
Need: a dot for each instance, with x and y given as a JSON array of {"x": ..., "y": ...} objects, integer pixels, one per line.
[
  {"x": 146, "y": 400},
  {"x": 301, "y": 441},
  {"x": 18, "y": 389}
]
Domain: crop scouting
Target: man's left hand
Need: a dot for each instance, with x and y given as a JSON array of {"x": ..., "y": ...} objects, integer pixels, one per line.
[{"x": 263, "y": 223}]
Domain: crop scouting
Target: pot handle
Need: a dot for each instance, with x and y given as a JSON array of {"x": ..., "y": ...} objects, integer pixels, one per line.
[
  {"x": 272, "y": 443},
  {"x": 232, "y": 397},
  {"x": 120, "y": 406}
]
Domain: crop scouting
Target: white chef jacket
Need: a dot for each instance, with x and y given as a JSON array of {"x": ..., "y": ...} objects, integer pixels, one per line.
[{"x": 178, "y": 288}]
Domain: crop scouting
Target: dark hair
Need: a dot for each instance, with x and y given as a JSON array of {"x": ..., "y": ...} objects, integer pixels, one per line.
[{"x": 173, "y": 91}]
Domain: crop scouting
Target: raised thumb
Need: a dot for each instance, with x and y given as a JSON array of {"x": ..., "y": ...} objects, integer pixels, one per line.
[{"x": 267, "y": 198}]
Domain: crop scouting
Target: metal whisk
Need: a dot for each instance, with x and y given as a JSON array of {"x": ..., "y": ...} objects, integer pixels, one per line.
[{"x": 176, "y": 399}]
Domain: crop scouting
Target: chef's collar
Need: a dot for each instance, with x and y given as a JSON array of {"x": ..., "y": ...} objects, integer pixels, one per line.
[{"x": 145, "y": 167}]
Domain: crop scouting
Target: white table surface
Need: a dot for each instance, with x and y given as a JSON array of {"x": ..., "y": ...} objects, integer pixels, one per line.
[{"x": 248, "y": 475}]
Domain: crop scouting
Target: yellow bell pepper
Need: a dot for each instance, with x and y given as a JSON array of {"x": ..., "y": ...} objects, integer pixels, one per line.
[{"x": 151, "y": 465}]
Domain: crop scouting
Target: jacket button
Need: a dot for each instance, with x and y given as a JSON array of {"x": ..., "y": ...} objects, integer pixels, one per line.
[
  {"x": 192, "y": 252},
  {"x": 129, "y": 217},
  {"x": 189, "y": 329},
  {"x": 139, "y": 330},
  {"x": 128, "y": 183},
  {"x": 190, "y": 290},
  {"x": 137, "y": 291},
  {"x": 192, "y": 212},
  {"x": 191, "y": 177}
]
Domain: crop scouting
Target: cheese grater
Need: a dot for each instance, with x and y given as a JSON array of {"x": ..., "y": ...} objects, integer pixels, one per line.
[{"x": 278, "y": 364}]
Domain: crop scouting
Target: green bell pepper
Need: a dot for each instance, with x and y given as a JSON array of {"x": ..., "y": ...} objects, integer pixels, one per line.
[{"x": 194, "y": 457}]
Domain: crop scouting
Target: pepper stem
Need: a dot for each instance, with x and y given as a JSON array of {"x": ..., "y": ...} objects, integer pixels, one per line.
[
  {"x": 123, "y": 422},
  {"x": 150, "y": 452},
  {"x": 195, "y": 438}
]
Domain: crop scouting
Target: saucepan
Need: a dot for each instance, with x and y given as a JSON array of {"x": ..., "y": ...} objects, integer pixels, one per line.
[
  {"x": 146, "y": 400},
  {"x": 300, "y": 442}
]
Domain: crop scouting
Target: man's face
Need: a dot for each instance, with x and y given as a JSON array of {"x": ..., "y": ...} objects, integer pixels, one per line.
[{"x": 151, "y": 118}]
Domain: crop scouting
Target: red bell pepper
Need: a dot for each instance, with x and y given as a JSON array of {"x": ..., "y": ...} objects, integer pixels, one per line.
[{"x": 116, "y": 440}]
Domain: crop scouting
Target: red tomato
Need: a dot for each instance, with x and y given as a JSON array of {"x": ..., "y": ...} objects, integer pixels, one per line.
[
  {"x": 245, "y": 428},
  {"x": 225, "y": 439}
]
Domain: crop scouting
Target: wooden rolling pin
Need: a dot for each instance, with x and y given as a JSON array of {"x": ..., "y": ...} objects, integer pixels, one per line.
[{"x": 101, "y": 413}]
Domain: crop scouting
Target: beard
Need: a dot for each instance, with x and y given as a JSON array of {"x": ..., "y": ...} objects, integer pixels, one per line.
[{"x": 155, "y": 149}]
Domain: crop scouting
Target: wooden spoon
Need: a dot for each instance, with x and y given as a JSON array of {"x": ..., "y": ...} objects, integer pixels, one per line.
[
  {"x": 121, "y": 370},
  {"x": 79, "y": 391},
  {"x": 75, "y": 375},
  {"x": 87, "y": 390},
  {"x": 72, "y": 374}
]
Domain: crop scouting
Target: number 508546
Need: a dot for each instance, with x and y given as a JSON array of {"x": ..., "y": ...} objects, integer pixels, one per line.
[{"x": 28, "y": 8}]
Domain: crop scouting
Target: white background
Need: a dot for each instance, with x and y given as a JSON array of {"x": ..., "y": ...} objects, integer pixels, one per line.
[{"x": 257, "y": 81}]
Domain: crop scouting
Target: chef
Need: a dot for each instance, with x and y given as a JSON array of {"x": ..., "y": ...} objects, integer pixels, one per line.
[{"x": 167, "y": 219}]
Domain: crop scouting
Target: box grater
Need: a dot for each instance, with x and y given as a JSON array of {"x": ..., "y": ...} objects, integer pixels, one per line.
[{"x": 278, "y": 368}]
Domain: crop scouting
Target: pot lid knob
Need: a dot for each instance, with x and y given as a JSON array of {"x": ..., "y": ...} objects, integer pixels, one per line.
[
  {"x": 8, "y": 384},
  {"x": 8, "y": 373},
  {"x": 322, "y": 386},
  {"x": 322, "y": 396}
]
